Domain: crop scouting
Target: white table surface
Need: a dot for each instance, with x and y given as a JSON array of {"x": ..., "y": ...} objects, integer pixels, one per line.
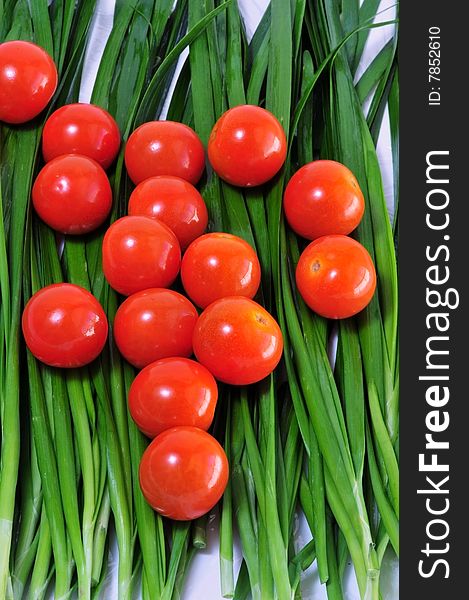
[{"x": 203, "y": 582}]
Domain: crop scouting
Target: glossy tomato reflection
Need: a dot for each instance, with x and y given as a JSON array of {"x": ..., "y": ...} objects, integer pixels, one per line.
[
  {"x": 247, "y": 146},
  {"x": 164, "y": 148},
  {"x": 237, "y": 340},
  {"x": 154, "y": 324},
  {"x": 323, "y": 198},
  {"x": 28, "y": 80},
  {"x": 72, "y": 194},
  {"x": 140, "y": 253},
  {"x": 173, "y": 201},
  {"x": 217, "y": 265},
  {"x": 183, "y": 473},
  {"x": 170, "y": 392},
  {"x": 81, "y": 128},
  {"x": 64, "y": 326},
  {"x": 336, "y": 276}
]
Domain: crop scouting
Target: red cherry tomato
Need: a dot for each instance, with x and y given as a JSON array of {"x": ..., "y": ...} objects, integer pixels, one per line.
[
  {"x": 217, "y": 265},
  {"x": 171, "y": 392},
  {"x": 81, "y": 129},
  {"x": 183, "y": 473},
  {"x": 323, "y": 198},
  {"x": 164, "y": 148},
  {"x": 336, "y": 276},
  {"x": 175, "y": 202},
  {"x": 154, "y": 324},
  {"x": 237, "y": 340},
  {"x": 64, "y": 326},
  {"x": 140, "y": 253},
  {"x": 72, "y": 194},
  {"x": 28, "y": 80},
  {"x": 247, "y": 146}
]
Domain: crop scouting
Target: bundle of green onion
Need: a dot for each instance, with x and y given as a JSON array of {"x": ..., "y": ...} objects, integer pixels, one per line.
[{"x": 310, "y": 438}]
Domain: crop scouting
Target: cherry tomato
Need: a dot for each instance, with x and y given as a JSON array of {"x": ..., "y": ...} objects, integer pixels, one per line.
[
  {"x": 64, "y": 326},
  {"x": 217, "y": 265},
  {"x": 72, "y": 194},
  {"x": 154, "y": 324},
  {"x": 164, "y": 148},
  {"x": 28, "y": 80},
  {"x": 247, "y": 146},
  {"x": 336, "y": 276},
  {"x": 170, "y": 392},
  {"x": 237, "y": 340},
  {"x": 183, "y": 473},
  {"x": 140, "y": 253},
  {"x": 81, "y": 129},
  {"x": 323, "y": 198},
  {"x": 175, "y": 202}
]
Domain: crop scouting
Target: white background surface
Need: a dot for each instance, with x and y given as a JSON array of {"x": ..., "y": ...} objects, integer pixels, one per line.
[{"x": 203, "y": 582}]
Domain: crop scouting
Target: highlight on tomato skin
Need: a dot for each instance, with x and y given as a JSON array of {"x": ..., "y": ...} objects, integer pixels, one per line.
[
  {"x": 336, "y": 276},
  {"x": 323, "y": 198},
  {"x": 170, "y": 392},
  {"x": 72, "y": 194},
  {"x": 28, "y": 80},
  {"x": 217, "y": 265},
  {"x": 237, "y": 340},
  {"x": 154, "y": 324},
  {"x": 81, "y": 128},
  {"x": 183, "y": 473},
  {"x": 247, "y": 146},
  {"x": 140, "y": 253},
  {"x": 64, "y": 326},
  {"x": 164, "y": 148},
  {"x": 175, "y": 202}
]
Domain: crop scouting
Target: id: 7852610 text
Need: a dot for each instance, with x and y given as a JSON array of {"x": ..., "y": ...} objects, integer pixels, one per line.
[{"x": 434, "y": 66}]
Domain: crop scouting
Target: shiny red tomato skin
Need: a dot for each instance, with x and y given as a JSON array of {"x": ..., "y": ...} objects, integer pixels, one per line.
[
  {"x": 64, "y": 326},
  {"x": 173, "y": 201},
  {"x": 164, "y": 148},
  {"x": 336, "y": 276},
  {"x": 237, "y": 340},
  {"x": 183, "y": 473},
  {"x": 217, "y": 265},
  {"x": 72, "y": 194},
  {"x": 81, "y": 128},
  {"x": 247, "y": 146},
  {"x": 28, "y": 80},
  {"x": 154, "y": 324},
  {"x": 140, "y": 253},
  {"x": 323, "y": 198},
  {"x": 171, "y": 392}
]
